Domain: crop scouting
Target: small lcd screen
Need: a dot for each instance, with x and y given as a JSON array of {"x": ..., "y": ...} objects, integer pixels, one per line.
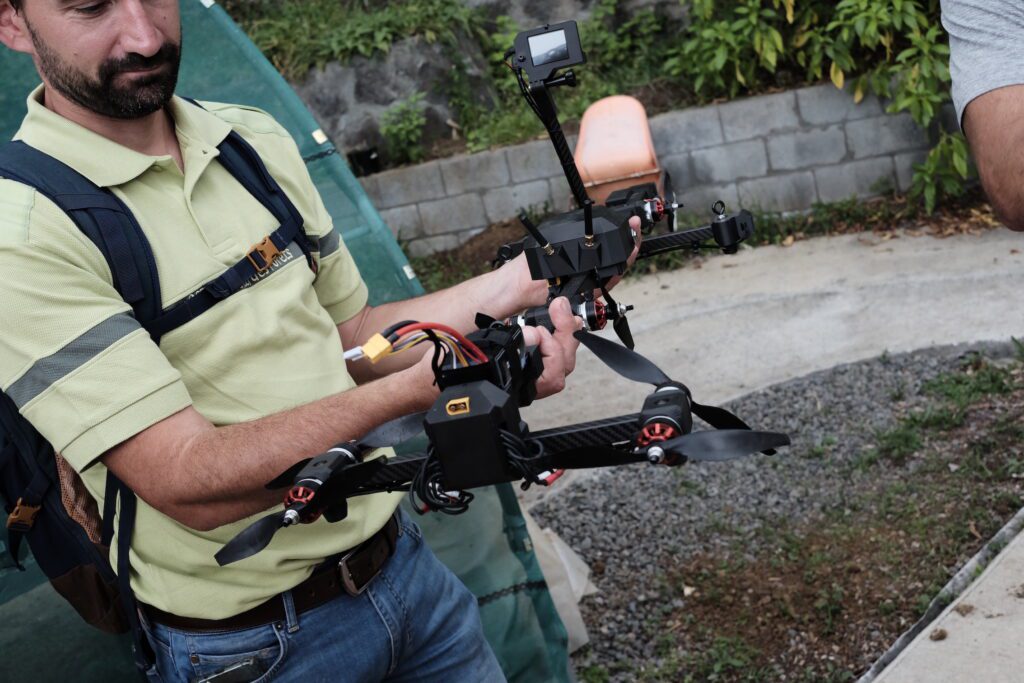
[{"x": 548, "y": 47}]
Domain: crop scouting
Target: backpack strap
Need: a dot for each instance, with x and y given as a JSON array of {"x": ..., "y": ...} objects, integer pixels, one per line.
[
  {"x": 110, "y": 225},
  {"x": 245, "y": 165},
  {"x": 98, "y": 213}
]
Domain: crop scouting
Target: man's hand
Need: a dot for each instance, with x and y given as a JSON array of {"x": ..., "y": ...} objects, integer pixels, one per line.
[
  {"x": 558, "y": 350},
  {"x": 634, "y": 223}
]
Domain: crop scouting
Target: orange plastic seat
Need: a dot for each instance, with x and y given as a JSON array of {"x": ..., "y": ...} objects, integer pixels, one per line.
[{"x": 615, "y": 149}]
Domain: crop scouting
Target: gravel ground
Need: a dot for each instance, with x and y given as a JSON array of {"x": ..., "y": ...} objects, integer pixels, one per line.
[{"x": 632, "y": 523}]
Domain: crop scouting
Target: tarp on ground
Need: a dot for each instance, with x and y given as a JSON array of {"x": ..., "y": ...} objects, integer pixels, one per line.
[{"x": 488, "y": 547}]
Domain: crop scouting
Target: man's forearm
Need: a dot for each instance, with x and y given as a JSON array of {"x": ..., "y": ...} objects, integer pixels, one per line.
[{"x": 216, "y": 475}]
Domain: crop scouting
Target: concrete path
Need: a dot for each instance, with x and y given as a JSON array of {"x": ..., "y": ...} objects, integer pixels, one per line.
[
  {"x": 770, "y": 314},
  {"x": 744, "y": 322},
  {"x": 977, "y": 638}
]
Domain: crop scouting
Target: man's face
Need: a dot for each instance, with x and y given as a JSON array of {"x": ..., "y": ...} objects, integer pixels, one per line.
[{"x": 117, "y": 58}]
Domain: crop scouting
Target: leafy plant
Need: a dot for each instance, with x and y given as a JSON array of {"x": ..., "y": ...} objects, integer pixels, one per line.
[
  {"x": 402, "y": 128},
  {"x": 895, "y": 49},
  {"x": 298, "y": 35}
]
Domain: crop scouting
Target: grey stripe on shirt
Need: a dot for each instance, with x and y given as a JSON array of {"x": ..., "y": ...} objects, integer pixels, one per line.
[
  {"x": 46, "y": 372},
  {"x": 329, "y": 243}
]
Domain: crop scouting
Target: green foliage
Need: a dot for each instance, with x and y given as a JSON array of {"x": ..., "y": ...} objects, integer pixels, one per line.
[
  {"x": 402, "y": 128},
  {"x": 944, "y": 171},
  {"x": 893, "y": 48},
  {"x": 829, "y": 605},
  {"x": 595, "y": 673},
  {"x": 977, "y": 379},
  {"x": 899, "y": 443},
  {"x": 725, "y": 659},
  {"x": 298, "y": 35}
]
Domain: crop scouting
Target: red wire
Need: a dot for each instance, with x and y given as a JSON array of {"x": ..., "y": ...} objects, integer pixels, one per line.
[{"x": 466, "y": 344}]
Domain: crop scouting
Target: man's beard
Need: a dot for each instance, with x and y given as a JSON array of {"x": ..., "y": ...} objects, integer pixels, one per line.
[{"x": 141, "y": 97}]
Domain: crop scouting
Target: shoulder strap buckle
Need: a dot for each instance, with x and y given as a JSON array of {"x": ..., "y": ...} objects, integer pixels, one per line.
[
  {"x": 23, "y": 516},
  {"x": 262, "y": 254}
]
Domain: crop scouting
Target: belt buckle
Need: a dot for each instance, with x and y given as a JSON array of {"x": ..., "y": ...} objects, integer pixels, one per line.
[{"x": 347, "y": 582}]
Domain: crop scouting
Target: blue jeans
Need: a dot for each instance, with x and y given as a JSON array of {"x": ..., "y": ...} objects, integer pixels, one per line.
[{"x": 415, "y": 622}]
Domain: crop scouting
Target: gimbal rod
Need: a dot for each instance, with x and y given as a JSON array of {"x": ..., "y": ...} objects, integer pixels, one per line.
[{"x": 549, "y": 117}]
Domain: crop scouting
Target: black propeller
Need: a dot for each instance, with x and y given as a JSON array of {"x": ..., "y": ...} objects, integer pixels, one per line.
[
  {"x": 253, "y": 539},
  {"x": 618, "y": 314},
  {"x": 722, "y": 444},
  {"x": 622, "y": 360},
  {"x": 636, "y": 367},
  {"x": 670, "y": 203}
]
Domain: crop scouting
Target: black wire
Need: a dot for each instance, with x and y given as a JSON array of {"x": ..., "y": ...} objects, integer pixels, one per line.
[
  {"x": 427, "y": 490},
  {"x": 390, "y": 331},
  {"x": 525, "y": 464},
  {"x": 526, "y": 93}
]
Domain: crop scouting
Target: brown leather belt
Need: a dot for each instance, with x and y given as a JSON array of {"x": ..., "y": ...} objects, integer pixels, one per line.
[{"x": 349, "y": 573}]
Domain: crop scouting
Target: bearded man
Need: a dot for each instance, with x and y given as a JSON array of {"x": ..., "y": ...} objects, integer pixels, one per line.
[{"x": 197, "y": 423}]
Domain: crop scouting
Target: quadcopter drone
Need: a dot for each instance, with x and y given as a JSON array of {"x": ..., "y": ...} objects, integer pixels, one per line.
[
  {"x": 478, "y": 438},
  {"x": 476, "y": 434}
]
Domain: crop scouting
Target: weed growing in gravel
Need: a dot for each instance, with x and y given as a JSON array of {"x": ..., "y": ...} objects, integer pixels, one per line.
[
  {"x": 899, "y": 443},
  {"x": 822, "y": 448},
  {"x": 595, "y": 673},
  {"x": 958, "y": 390},
  {"x": 829, "y": 605},
  {"x": 977, "y": 378},
  {"x": 1018, "y": 347},
  {"x": 942, "y": 419},
  {"x": 724, "y": 659}
]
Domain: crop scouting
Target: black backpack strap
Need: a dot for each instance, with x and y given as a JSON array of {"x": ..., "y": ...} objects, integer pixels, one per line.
[
  {"x": 29, "y": 500},
  {"x": 142, "y": 653},
  {"x": 240, "y": 160},
  {"x": 245, "y": 164},
  {"x": 98, "y": 213}
]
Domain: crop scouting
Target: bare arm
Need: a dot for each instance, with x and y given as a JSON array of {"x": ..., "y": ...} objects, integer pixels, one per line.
[
  {"x": 205, "y": 476},
  {"x": 994, "y": 125}
]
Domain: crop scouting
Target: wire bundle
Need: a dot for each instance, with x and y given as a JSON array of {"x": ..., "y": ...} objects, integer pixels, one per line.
[
  {"x": 451, "y": 348},
  {"x": 426, "y": 492},
  {"x": 525, "y": 458}
]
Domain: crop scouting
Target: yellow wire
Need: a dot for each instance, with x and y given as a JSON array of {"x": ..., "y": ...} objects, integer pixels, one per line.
[{"x": 419, "y": 337}]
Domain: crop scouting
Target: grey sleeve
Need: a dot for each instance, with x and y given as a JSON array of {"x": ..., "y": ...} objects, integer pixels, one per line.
[{"x": 986, "y": 41}]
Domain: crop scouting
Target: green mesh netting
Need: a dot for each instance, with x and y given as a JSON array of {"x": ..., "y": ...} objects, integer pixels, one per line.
[{"x": 488, "y": 547}]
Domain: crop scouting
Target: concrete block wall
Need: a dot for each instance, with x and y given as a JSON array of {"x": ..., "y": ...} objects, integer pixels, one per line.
[{"x": 778, "y": 152}]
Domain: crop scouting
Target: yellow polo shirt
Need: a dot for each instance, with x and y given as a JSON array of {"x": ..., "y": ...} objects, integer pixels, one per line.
[{"x": 87, "y": 376}]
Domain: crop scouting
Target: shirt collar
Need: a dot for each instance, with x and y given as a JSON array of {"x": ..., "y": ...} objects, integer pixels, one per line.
[{"x": 101, "y": 160}]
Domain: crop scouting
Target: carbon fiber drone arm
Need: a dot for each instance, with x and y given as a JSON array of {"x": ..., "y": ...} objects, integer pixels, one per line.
[
  {"x": 726, "y": 231},
  {"x": 562, "y": 448}
]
